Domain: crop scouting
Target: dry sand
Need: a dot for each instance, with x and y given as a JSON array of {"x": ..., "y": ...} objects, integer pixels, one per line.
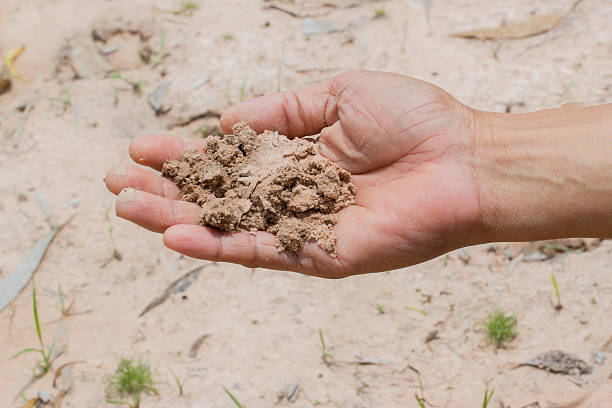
[{"x": 264, "y": 325}]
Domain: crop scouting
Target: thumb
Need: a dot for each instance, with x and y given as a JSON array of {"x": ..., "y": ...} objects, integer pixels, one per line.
[{"x": 298, "y": 113}]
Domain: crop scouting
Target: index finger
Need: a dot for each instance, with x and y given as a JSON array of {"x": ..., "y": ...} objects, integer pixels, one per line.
[{"x": 154, "y": 150}]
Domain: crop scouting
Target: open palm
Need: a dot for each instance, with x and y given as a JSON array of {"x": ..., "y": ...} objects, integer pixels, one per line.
[{"x": 407, "y": 143}]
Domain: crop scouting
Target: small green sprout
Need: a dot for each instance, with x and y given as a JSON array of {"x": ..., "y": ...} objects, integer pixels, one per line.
[
  {"x": 161, "y": 53},
  {"x": 415, "y": 309},
  {"x": 500, "y": 328},
  {"x": 326, "y": 356},
  {"x": 137, "y": 86},
  {"x": 131, "y": 379},
  {"x": 487, "y": 397},
  {"x": 381, "y": 308},
  {"x": 558, "y": 306},
  {"x": 66, "y": 101},
  {"x": 42, "y": 367},
  {"x": 234, "y": 399},
  {"x": 180, "y": 382},
  {"x": 187, "y": 7}
]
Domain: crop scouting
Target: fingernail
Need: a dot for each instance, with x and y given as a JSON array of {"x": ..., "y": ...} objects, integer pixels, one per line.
[{"x": 127, "y": 195}]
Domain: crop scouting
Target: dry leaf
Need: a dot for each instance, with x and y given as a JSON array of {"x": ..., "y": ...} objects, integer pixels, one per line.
[
  {"x": 532, "y": 26},
  {"x": 9, "y": 60},
  {"x": 8, "y": 71},
  {"x": 30, "y": 404}
]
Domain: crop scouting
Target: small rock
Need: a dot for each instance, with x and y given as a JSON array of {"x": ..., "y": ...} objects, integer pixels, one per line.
[
  {"x": 45, "y": 397},
  {"x": 312, "y": 26},
  {"x": 156, "y": 99},
  {"x": 464, "y": 256},
  {"x": 598, "y": 357}
]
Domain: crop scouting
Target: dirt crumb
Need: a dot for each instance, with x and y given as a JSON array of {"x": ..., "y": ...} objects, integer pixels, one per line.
[{"x": 250, "y": 182}]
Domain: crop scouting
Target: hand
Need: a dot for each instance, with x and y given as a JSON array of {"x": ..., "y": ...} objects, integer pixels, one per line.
[{"x": 407, "y": 143}]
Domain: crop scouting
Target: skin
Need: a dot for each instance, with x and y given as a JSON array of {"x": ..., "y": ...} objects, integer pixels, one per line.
[{"x": 432, "y": 175}]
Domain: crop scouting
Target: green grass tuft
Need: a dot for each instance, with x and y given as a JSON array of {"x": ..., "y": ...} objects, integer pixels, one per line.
[
  {"x": 500, "y": 328},
  {"x": 487, "y": 397},
  {"x": 380, "y": 13},
  {"x": 131, "y": 379}
]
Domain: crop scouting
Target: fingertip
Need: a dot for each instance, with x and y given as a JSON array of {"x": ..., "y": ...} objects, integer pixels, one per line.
[
  {"x": 227, "y": 122},
  {"x": 136, "y": 151},
  {"x": 125, "y": 197}
]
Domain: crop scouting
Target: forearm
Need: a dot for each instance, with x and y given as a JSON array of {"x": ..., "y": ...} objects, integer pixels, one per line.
[{"x": 546, "y": 174}]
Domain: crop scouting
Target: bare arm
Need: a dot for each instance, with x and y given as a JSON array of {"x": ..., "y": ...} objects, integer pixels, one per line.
[{"x": 546, "y": 174}]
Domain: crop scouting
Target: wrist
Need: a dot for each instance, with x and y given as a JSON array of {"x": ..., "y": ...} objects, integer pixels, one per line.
[{"x": 545, "y": 174}]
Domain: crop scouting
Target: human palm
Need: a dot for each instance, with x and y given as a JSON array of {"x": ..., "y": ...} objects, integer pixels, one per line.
[{"x": 407, "y": 143}]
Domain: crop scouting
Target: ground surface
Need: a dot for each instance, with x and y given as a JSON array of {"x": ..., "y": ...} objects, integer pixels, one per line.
[{"x": 264, "y": 325}]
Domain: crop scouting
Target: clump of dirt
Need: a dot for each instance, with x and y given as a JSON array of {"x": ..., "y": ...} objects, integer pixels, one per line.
[{"x": 252, "y": 182}]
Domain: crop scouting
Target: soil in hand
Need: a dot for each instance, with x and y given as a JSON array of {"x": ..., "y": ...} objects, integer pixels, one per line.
[{"x": 245, "y": 181}]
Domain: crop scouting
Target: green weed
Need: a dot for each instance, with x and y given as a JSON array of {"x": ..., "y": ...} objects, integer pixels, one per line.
[
  {"x": 180, "y": 383},
  {"x": 131, "y": 379},
  {"x": 236, "y": 402},
  {"x": 415, "y": 309},
  {"x": 380, "y": 13},
  {"x": 326, "y": 356},
  {"x": 66, "y": 101},
  {"x": 137, "y": 86},
  {"x": 45, "y": 365},
  {"x": 487, "y": 397},
  {"x": 381, "y": 308},
  {"x": 500, "y": 328},
  {"x": 187, "y": 7},
  {"x": 558, "y": 306},
  {"x": 161, "y": 53}
]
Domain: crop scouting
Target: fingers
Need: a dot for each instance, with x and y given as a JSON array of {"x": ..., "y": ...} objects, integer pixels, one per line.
[
  {"x": 154, "y": 150},
  {"x": 252, "y": 250},
  {"x": 153, "y": 212},
  {"x": 294, "y": 113},
  {"x": 125, "y": 176}
]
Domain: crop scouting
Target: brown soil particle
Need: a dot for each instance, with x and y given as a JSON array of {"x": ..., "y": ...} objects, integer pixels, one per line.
[{"x": 251, "y": 182}]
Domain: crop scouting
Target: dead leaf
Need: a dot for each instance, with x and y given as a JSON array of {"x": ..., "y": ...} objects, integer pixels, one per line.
[
  {"x": 58, "y": 372},
  {"x": 30, "y": 404},
  {"x": 8, "y": 70},
  {"x": 179, "y": 285},
  {"x": 9, "y": 60},
  {"x": 193, "y": 352},
  {"x": 533, "y": 26}
]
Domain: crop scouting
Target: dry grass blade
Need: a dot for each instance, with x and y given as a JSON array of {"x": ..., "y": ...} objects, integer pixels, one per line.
[
  {"x": 532, "y": 26},
  {"x": 58, "y": 371},
  {"x": 13, "y": 284}
]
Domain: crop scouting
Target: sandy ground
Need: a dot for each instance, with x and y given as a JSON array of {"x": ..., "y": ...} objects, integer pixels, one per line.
[{"x": 264, "y": 325}]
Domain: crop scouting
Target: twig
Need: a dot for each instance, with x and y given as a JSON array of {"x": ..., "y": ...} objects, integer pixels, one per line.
[
  {"x": 19, "y": 128},
  {"x": 282, "y": 10},
  {"x": 186, "y": 121},
  {"x": 193, "y": 352}
]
